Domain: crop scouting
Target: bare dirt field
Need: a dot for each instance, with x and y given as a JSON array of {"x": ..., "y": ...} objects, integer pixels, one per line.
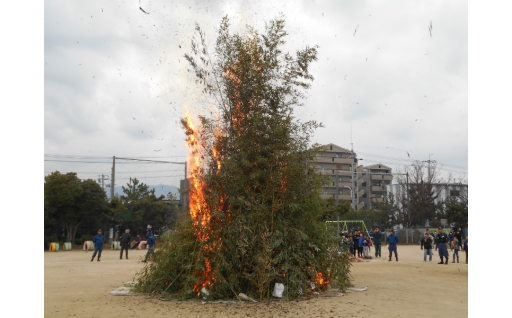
[{"x": 75, "y": 287}]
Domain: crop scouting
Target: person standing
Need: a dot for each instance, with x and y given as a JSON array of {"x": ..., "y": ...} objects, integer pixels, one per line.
[
  {"x": 466, "y": 248},
  {"x": 137, "y": 242},
  {"x": 356, "y": 243},
  {"x": 344, "y": 243},
  {"x": 455, "y": 248},
  {"x": 370, "y": 237},
  {"x": 435, "y": 239},
  {"x": 392, "y": 241},
  {"x": 366, "y": 246},
  {"x": 459, "y": 237},
  {"x": 351, "y": 245},
  {"x": 361, "y": 245},
  {"x": 442, "y": 241},
  {"x": 451, "y": 235},
  {"x": 377, "y": 236},
  {"x": 98, "y": 240},
  {"x": 426, "y": 246},
  {"x": 116, "y": 232},
  {"x": 151, "y": 243},
  {"x": 125, "y": 241}
]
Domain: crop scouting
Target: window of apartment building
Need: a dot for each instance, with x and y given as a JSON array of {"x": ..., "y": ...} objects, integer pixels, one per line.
[
  {"x": 333, "y": 196},
  {"x": 340, "y": 191},
  {"x": 333, "y": 184},
  {"x": 454, "y": 193},
  {"x": 332, "y": 159},
  {"x": 333, "y": 172},
  {"x": 364, "y": 184},
  {"x": 331, "y": 148},
  {"x": 338, "y": 167},
  {"x": 319, "y": 155},
  {"x": 340, "y": 179},
  {"x": 319, "y": 166}
]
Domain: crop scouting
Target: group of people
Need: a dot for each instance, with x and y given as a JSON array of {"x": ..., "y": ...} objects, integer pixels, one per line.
[
  {"x": 442, "y": 242},
  {"x": 125, "y": 242},
  {"x": 360, "y": 243}
]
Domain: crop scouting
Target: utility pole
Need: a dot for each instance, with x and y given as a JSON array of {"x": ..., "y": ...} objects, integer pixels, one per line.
[
  {"x": 429, "y": 162},
  {"x": 352, "y": 170},
  {"x": 112, "y": 184},
  {"x": 113, "y": 178}
]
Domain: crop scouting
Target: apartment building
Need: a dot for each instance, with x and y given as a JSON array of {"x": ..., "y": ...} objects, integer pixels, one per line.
[
  {"x": 339, "y": 164},
  {"x": 443, "y": 191},
  {"x": 375, "y": 181}
]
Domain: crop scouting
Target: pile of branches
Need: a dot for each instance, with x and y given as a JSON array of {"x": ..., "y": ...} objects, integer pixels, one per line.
[{"x": 255, "y": 206}]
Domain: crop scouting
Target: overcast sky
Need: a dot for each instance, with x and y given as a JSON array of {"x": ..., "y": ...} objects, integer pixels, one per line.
[{"x": 115, "y": 80}]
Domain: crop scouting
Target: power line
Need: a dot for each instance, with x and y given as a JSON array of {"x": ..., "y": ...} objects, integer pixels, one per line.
[
  {"x": 106, "y": 157},
  {"x": 117, "y": 172},
  {"x": 155, "y": 161},
  {"x": 407, "y": 160},
  {"x": 150, "y": 177},
  {"x": 394, "y": 163},
  {"x": 109, "y": 162}
]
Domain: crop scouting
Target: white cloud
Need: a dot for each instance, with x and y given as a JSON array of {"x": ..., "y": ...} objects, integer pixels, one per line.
[{"x": 132, "y": 66}]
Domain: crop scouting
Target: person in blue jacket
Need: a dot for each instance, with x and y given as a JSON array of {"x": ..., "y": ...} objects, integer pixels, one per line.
[
  {"x": 392, "y": 240},
  {"x": 98, "y": 245},
  {"x": 150, "y": 241},
  {"x": 442, "y": 241}
]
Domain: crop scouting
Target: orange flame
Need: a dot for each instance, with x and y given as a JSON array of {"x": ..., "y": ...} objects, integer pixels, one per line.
[{"x": 199, "y": 210}]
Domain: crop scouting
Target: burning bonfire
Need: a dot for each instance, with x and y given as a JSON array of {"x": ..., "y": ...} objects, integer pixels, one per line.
[{"x": 254, "y": 214}]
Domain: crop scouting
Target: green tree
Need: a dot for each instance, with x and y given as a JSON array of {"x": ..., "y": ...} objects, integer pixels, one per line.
[
  {"x": 71, "y": 200},
  {"x": 456, "y": 212},
  {"x": 255, "y": 196},
  {"x": 173, "y": 213},
  {"x": 386, "y": 213},
  {"x": 145, "y": 207}
]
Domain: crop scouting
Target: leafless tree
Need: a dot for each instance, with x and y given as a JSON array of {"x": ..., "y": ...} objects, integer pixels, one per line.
[{"x": 418, "y": 194}]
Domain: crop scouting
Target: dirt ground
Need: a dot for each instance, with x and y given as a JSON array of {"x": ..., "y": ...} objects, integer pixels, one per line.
[{"x": 75, "y": 287}]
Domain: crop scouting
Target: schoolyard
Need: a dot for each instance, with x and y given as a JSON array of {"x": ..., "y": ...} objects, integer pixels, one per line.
[{"x": 76, "y": 287}]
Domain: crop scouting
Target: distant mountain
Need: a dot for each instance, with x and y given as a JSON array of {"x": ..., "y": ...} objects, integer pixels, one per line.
[{"x": 160, "y": 189}]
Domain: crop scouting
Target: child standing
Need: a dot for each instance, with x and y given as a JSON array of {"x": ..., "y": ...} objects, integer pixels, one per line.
[
  {"x": 366, "y": 246},
  {"x": 455, "y": 248},
  {"x": 351, "y": 245},
  {"x": 361, "y": 245}
]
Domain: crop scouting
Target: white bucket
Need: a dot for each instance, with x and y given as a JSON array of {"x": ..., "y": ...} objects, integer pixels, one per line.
[{"x": 278, "y": 290}]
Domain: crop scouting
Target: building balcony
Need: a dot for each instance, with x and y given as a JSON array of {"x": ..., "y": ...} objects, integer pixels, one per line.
[
  {"x": 360, "y": 193},
  {"x": 378, "y": 189},
  {"x": 379, "y": 177},
  {"x": 345, "y": 197},
  {"x": 378, "y": 200},
  {"x": 360, "y": 205},
  {"x": 329, "y": 172},
  {"x": 340, "y": 185},
  {"x": 340, "y": 197},
  {"x": 336, "y": 160}
]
